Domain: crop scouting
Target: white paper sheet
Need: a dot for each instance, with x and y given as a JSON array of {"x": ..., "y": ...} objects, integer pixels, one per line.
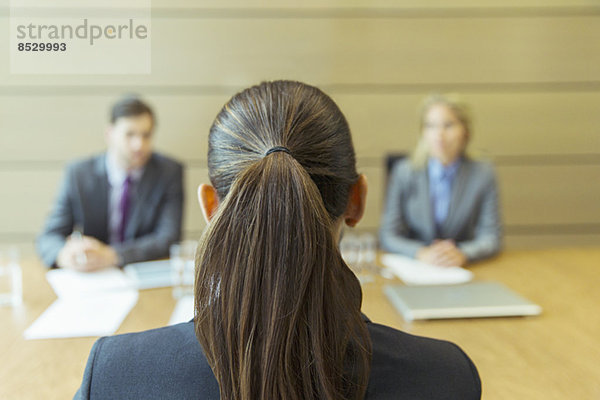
[
  {"x": 184, "y": 310},
  {"x": 66, "y": 282},
  {"x": 97, "y": 315},
  {"x": 150, "y": 274},
  {"x": 413, "y": 272}
]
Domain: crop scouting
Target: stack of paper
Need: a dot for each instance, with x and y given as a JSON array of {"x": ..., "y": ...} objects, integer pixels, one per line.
[
  {"x": 88, "y": 304},
  {"x": 69, "y": 283},
  {"x": 413, "y": 272},
  {"x": 150, "y": 274}
]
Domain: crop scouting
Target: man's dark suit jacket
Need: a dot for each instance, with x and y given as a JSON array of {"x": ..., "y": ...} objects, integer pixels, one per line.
[
  {"x": 155, "y": 218},
  {"x": 473, "y": 220},
  {"x": 168, "y": 363}
]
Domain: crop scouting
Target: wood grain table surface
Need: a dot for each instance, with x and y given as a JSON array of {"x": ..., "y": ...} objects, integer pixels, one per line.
[{"x": 552, "y": 356}]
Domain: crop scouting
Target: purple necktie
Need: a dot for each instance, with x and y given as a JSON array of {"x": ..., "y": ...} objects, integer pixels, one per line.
[{"x": 124, "y": 208}]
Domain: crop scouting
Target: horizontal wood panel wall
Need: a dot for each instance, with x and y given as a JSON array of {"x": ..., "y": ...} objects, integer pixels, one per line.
[
  {"x": 209, "y": 53},
  {"x": 301, "y": 7},
  {"x": 528, "y": 69},
  {"x": 550, "y": 125}
]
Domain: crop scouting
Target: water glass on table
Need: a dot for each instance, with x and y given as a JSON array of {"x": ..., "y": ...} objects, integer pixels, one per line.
[
  {"x": 182, "y": 268},
  {"x": 11, "y": 285},
  {"x": 368, "y": 253},
  {"x": 355, "y": 252}
]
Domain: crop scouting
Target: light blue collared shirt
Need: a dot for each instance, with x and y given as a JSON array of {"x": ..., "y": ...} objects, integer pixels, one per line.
[{"x": 440, "y": 187}]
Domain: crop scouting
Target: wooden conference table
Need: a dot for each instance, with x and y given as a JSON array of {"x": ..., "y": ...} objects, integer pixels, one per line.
[{"x": 552, "y": 356}]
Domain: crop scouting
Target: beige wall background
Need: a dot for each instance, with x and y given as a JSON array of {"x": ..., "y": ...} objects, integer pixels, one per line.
[{"x": 529, "y": 69}]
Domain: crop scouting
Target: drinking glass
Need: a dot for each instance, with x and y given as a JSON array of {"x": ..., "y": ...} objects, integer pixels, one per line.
[
  {"x": 11, "y": 280},
  {"x": 350, "y": 249},
  {"x": 182, "y": 268},
  {"x": 368, "y": 253}
]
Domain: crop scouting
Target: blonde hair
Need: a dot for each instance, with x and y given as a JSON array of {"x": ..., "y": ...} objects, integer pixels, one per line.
[{"x": 459, "y": 108}]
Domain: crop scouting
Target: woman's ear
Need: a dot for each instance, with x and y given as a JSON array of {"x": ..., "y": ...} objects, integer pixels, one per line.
[
  {"x": 209, "y": 201},
  {"x": 357, "y": 201}
]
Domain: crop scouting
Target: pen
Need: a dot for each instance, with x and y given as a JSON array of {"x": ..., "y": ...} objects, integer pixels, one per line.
[{"x": 80, "y": 257}]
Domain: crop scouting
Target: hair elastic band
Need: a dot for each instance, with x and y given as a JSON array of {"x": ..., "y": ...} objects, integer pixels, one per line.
[{"x": 278, "y": 148}]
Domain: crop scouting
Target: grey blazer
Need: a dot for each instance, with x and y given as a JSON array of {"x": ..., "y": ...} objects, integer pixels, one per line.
[
  {"x": 156, "y": 214},
  {"x": 168, "y": 363},
  {"x": 473, "y": 220}
]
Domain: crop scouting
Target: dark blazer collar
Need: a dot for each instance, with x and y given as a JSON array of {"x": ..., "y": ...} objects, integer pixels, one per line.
[
  {"x": 426, "y": 210},
  {"x": 100, "y": 198},
  {"x": 100, "y": 165}
]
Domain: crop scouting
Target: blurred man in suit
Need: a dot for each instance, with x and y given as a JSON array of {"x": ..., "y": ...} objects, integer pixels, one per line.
[{"x": 121, "y": 206}]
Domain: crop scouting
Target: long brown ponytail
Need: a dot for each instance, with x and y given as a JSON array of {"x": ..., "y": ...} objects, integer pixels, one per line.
[{"x": 277, "y": 309}]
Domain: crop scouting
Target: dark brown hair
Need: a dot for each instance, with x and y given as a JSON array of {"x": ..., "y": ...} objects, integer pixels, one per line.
[
  {"x": 130, "y": 106},
  {"x": 277, "y": 309}
]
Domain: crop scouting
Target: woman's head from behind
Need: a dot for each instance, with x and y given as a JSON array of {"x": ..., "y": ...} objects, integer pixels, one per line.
[
  {"x": 445, "y": 126},
  {"x": 296, "y": 116},
  {"x": 277, "y": 310}
]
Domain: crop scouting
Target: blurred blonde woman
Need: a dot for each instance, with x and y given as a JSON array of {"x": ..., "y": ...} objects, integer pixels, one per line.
[
  {"x": 277, "y": 309},
  {"x": 442, "y": 205}
]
